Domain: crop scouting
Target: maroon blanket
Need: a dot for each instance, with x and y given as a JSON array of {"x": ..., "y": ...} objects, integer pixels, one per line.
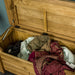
[{"x": 49, "y": 63}]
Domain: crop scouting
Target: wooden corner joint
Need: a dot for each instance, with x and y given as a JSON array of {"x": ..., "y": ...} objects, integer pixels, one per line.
[{"x": 1, "y": 64}]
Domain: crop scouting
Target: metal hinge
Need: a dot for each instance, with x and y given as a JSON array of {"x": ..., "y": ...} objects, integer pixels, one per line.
[
  {"x": 17, "y": 26},
  {"x": 45, "y": 33}
]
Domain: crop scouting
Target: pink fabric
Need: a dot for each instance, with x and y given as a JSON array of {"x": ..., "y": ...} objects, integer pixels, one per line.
[
  {"x": 42, "y": 68},
  {"x": 54, "y": 68},
  {"x": 37, "y": 54},
  {"x": 34, "y": 57},
  {"x": 49, "y": 64},
  {"x": 57, "y": 50}
]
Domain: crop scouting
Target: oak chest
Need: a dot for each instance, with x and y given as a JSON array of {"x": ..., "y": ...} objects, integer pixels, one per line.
[{"x": 33, "y": 17}]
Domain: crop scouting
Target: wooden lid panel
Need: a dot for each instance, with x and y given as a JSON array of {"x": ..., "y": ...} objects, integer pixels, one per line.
[
  {"x": 52, "y": 16},
  {"x": 9, "y": 7},
  {"x": 30, "y": 17},
  {"x": 60, "y": 17}
]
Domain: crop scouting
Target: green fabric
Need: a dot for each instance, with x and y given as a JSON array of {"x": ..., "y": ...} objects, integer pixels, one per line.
[{"x": 37, "y": 42}]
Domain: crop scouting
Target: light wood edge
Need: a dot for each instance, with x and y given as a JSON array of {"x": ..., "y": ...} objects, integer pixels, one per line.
[
  {"x": 1, "y": 64},
  {"x": 16, "y": 15},
  {"x": 49, "y": 32},
  {"x": 10, "y": 30},
  {"x": 56, "y": 2},
  {"x": 2, "y": 53},
  {"x": 8, "y": 12},
  {"x": 17, "y": 59},
  {"x": 63, "y": 3},
  {"x": 45, "y": 20}
]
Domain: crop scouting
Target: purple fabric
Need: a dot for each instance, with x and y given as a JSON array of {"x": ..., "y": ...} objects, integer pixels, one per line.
[
  {"x": 37, "y": 54},
  {"x": 49, "y": 64},
  {"x": 56, "y": 50},
  {"x": 34, "y": 57},
  {"x": 54, "y": 68}
]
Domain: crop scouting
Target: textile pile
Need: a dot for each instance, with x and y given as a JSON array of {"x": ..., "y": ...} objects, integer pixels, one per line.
[{"x": 48, "y": 57}]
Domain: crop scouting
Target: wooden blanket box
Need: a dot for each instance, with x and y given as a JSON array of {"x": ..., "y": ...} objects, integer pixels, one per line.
[{"x": 34, "y": 17}]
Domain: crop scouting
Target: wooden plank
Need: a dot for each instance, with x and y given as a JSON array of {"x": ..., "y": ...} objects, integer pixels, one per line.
[
  {"x": 37, "y": 30},
  {"x": 14, "y": 68},
  {"x": 9, "y": 8},
  {"x": 65, "y": 20},
  {"x": 18, "y": 62},
  {"x": 33, "y": 22},
  {"x": 1, "y": 64},
  {"x": 26, "y": 32},
  {"x": 37, "y": 12},
  {"x": 58, "y": 2},
  {"x": 32, "y": 74},
  {"x": 28, "y": 11},
  {"x": 65, "y": 30},
  {"x": 30, "y": 18},
  {"x": 15, "y": 13},
  {"x": 69, "y": 72},
  {"x": 22, "y": 34},
  {"x": 45, "y": 21},
  {"x": 67, "y": 3},
  {"x": 51, "y": 32},
  {"x": 61, "y": 19},
  {"x": 53, "y": 8}
]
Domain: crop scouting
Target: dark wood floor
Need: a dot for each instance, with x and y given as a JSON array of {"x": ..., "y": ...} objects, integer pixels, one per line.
[{"x": 6, "y": 73}]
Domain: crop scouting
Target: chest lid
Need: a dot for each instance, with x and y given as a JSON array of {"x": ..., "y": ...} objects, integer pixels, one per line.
[
  {"x": 21, "y": 13},
  {"x": 52, "y": 16}
]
